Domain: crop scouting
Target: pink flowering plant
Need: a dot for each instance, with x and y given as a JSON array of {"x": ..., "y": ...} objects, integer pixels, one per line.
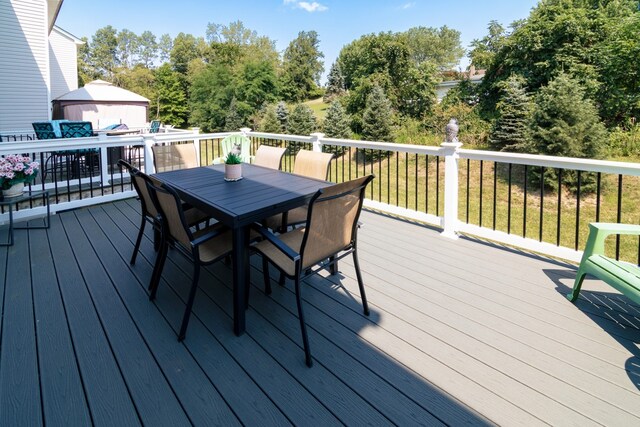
[{"x": 15, "y": 169}]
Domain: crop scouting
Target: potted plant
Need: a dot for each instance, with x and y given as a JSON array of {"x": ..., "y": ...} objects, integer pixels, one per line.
[
  {"x": 233, "y": 167},
  {"x": 15, "y": 172}
]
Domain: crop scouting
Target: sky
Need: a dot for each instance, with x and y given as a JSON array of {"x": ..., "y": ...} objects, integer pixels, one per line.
[{"x": 337, "y": 22}]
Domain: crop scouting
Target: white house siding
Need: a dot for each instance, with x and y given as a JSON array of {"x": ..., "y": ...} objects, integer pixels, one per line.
[
  {"x": 24, "y": 70},
  {"x": 63, "y": 59}
]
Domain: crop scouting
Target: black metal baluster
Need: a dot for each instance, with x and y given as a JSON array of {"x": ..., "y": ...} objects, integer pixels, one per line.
[
  {"x": 480, "y": 204},
  {"x": 350, "y": 148},
  {"x": 388, "y": 180},
  {"x": 619, "y": 215},
  {"x": 357, "y": 162},
  {"x": 380, "y": 179},
  {"x": 437, "y": 185},
  {"x": 578, "y": 210},
  {"x": 416, "y": 181},
  {"x": 524, "y": 211},
  {"x": 495, "y": 192},
  {"x": 541, "y": 201},
  {"x": 397, "y": 179},
  {"x": 559, "y": 219},
  {"x": 372, "y": 162},
  {"x": 598, "y": 197},
  {"x": 468, "y": 191},
  {"x": 406, "y": 180},
  {"x": 509, "y": 201},
  {"x": 426, "y": 183}
]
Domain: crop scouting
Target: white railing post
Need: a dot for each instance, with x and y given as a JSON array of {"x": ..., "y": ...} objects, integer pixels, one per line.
[
  {"x": 316, "y": 141},
  {"x": 104, "y": 167},
  {"x": 196, "y": 143},
  {"x": 245, "y": 131},
  {"x": 149, "y": 166},
  {"x": 451, "y": 156}
]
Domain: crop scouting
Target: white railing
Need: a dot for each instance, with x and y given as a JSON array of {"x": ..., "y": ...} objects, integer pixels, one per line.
[{"x": 115, "y": 186}]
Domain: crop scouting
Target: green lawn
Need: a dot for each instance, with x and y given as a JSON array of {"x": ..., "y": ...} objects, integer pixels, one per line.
[{"x": 319, "y": 107}]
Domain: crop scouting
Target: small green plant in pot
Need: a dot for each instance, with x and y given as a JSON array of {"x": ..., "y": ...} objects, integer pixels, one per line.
[{"x": 233, "y": 167}]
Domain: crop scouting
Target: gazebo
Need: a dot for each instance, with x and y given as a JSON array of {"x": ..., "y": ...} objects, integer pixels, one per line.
[{"x": 103, "y": 104}]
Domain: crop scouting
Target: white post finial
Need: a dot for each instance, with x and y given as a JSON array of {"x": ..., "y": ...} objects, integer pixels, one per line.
[
  {"x": 316, "y": 141},
  {"x": 245, "y": 131},
  {"x": 451, "y": 156}
]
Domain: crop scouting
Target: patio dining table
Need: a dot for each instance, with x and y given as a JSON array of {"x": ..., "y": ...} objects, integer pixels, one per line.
[{"x": 261, "y": 193}]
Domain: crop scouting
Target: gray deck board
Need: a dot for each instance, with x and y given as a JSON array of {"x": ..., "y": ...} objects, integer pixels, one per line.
[{"x": 460, "y": 332}]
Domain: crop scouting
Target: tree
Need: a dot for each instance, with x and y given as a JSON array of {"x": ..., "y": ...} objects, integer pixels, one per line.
[
  {"x": 128, "y": 47},
  {"x": 233, "y": 121},
  {"x": 104, "y": 48},
  {"x": 302, "y": 121},
  {"x": 566, "y": 123},
  {"x": 270, "y": 122},
  {"x": 302, "y": 67},
  {"x": 335, "y": 83},
  {"x": 483, "y": 50},
  {"x": 439, "y": 46},
  {"x": 148, "y": 48},
  {"x": 165, "y": 45},
  {"x": 582, "y": 38},
  {"x": 510, "y": 130},
  {"x": 336, "y": 123},
  {"x": 210, "y": 95},
  {"x": 283, "y": 115},
  {"x": 170, "y": 102},
  {"x": 256, "y": 84},
  {"x": 377, "y": 119},
  {"x": 185, "y": 48}
]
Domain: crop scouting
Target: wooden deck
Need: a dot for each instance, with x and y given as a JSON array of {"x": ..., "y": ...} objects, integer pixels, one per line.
[{"x": 460, "y": 332}]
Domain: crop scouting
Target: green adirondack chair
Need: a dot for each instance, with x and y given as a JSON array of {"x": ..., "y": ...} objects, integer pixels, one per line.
[
  {"x": 621, "y": 275},
  {"x": 237, "y": 143}
]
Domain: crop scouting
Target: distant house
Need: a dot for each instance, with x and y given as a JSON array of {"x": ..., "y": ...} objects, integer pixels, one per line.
[
  {"x": 475, "y": 76},
  {"x": 39, "y": 62}
]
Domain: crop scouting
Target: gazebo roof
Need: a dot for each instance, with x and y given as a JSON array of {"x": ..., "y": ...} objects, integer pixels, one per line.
[{"x": 102, "y": 91}]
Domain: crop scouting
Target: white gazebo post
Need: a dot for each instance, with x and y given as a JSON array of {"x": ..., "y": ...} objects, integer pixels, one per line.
[
  {"x": 451, "y": 156},
  {"x": 316, "y": 141}
]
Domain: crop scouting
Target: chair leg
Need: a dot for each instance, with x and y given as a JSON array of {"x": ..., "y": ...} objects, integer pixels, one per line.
[
  {"x": 333, "y": 266},
  {"x": 157, "y": 237},
  {"x": 573, "y": 295},
  {"x": 138, "y": 240},
  {"x": 265, "y": 274},
  {"x": 303, "y": 326},
  {"x": 363, "y": 295},
  {"x": 157, "y": 270},
  {"x": 192, "y": 296},
  {"x": 281, "y": 279}
]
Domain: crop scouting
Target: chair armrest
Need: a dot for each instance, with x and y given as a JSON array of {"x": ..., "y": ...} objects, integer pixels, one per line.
[
  {"x": 217, "y": 231},
  {"x": 279, "y": 244},
  {"x": 599, "y": 231}
]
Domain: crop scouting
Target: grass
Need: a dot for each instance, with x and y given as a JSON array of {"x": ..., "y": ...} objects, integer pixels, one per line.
[
  {"x": 318, "y": 107},
  {"x": 417, "y": 183}
]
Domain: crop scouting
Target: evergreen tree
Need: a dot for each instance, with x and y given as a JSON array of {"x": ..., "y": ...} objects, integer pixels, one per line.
[
  {"x": 377, "y": 119},
  {"x": 270, "y": 122},
  {"x": 283, "y": 116},
  {"x": 302, "y": 67},
  {"x": 171, "y": 104},
  {"x": 510, "y": 130},
  {"x": 336, "y": 123},
  {"x": 335, "y": 83},
  {"x": 301, "y": 122},
  {"x": 566, "y": 123},
  {"x": 233, "y": 121}
]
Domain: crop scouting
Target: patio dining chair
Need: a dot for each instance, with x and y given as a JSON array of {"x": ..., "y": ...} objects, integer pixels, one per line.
[
  {"x": 235, "y": 143},
  {"x": 329, "y": 234},
  {"x": 269, "y": 157},
  {"x": 45, "y": 131},
  {"x": 313, "y": 165},
  {"x": 155, "y": 126},
  {"x": 202, "y": 247},
  {"x": 174, "y": 156},
  {"x": 80, "y": 129},
  {"x": 149, "y": 212}
]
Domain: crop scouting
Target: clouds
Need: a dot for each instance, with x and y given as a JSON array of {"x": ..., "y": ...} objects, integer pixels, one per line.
[
  {"x": 308, "y": 6},
  {"x": 408, "y": 5}
]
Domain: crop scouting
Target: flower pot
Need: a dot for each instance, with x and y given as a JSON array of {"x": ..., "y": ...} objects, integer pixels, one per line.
[
  {"x": 232, "y": 172},
  {"x": 14, "y": 191}
]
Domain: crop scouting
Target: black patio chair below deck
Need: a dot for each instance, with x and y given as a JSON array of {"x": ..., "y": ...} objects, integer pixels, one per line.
[{"x": 329, "y": 234}]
